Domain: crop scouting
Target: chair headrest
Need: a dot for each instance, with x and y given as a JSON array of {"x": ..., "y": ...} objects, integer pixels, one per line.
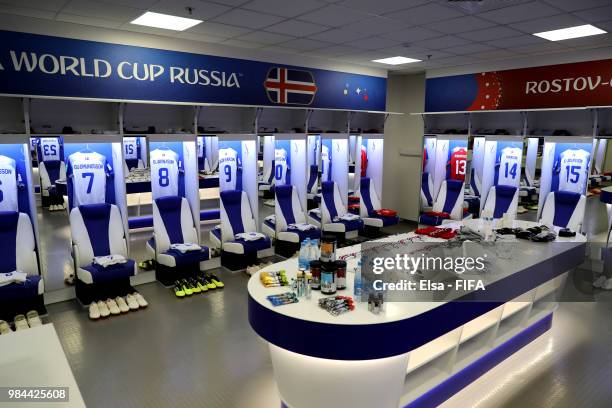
[
  {"x": 169, "y": 203},
  {"x": 327, "y": 187},
  {"x": 454, "y": 185},
  {"x": 566, "y": 197},
  {"x": 8, "y": 220},
  {"x": 505, "y": 191},
  {"x": 52, "y": 164},
  {"x": 283, "y": 191},
  {"x": 95, "y": 211},
  {"x": 231, "y": 197},
  {"x": 364, "y": 183}
]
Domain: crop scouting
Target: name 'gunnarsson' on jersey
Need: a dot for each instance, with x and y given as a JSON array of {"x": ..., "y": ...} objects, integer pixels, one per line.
[
  {"x": 228, "y": 169},
  {"x": 573, "y": 171},
  {"x": 164, "y": 173},
  {"x": 8, "y": 184},
  {"x": 88, "y": 171},
  {"x": 49, "y": 148},
  {"x": 509, "y": 166}
]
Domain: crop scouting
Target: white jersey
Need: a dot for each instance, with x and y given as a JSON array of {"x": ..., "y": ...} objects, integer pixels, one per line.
[
  {"x": 164, "y": 173},
  {"x": 130, "y": 148},
  {"x": 8, "y": 184},
  {"x": 49, "y": 148},
  {"x": 325, "y": 163},
  {"x": 573, "y": 171},
  {"x": 510, "y": 166},
  {"x": 88, "y": 171},
  {"x": 280, "y": 167},
  {"x": 228, "y": 169},
  {"x": 200, "y": 147}
]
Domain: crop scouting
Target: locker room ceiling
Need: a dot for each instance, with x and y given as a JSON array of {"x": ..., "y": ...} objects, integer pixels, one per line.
[{"x": 452, "y": 33}]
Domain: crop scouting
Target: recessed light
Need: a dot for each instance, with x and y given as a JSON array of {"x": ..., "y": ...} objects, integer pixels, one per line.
[
  {"x": 570, "y": 32},
  {"x": 165, "y": 21},
  {"x": 396, "y": 60}
]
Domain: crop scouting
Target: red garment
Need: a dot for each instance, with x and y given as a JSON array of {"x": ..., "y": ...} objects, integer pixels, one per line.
[
  {"x": 386, "y": 213},
  {"x": 364, "y": 161},
  {"x": 436, "y": 232},
  {"x": 458, "y": 163},
  {"x": 439, "y": 214}
]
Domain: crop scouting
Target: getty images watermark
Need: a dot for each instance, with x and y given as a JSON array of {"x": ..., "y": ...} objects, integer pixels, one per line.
[{"x": 413, "y": 270}]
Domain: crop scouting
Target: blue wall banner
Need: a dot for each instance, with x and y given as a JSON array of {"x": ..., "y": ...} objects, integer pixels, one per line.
[{"x": 41, "y": 65}]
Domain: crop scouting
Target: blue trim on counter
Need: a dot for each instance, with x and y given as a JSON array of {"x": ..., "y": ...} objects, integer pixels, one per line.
[
  {"x": 373, "y": 341},
  {"x": 449, "y": 387}
]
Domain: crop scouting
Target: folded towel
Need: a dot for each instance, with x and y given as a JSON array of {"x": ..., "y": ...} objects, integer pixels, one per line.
[
  {"x": 301, "y": 226},
  {"x": 316, "y": 211},
  {"x": 186, "y": 247},
  {"x": 270, "y": 218},
  {"x": 108, "y": 260},
  {"x": 250, "y": 236},
  {"x": 12, "y": 277},
  {"x": 346, "y": 217}
]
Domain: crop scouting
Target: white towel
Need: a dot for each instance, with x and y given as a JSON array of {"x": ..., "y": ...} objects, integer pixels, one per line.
[
  {"x": 12, "y": 277},
  {"x": 186, "y": 247},
  {"x": 250, "y": 236},
  {"x": 271, "y": 218},
  {"x": 301, "y": 226},
  {"x": 346, "y": 217},
  {"x": 108, "y": 260},
  {"x": 316, "y": 211}
]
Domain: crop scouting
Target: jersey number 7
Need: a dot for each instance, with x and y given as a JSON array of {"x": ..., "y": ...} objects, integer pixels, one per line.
[{"x": 91, "y": 179}]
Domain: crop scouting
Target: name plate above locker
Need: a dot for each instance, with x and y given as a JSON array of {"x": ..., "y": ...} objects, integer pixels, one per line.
[{"x": 39, "y": 65}]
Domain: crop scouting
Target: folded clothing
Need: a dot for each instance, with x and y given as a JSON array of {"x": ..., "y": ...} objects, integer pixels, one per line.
[
  {"x": 301, "y": 226},
  {"x": 185, "y": 247},
  {"x": 316, "y": 211},
  {"x": 108, "y": 260},
  {"x": 250, "y": 236},
  {"x": 439, "y": 214},
  {"x": 271, "y": 218},
  {"x": 346, "y": 217},
  {"x": 386, "y": 213},
  {"x": 12, "y": 277},
  {"x": 435, "y": 232}
]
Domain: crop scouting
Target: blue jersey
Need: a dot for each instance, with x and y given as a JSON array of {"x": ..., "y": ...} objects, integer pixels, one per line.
[
  {"x": 165, "y": 167},
  {"x": 8, "y": 184},
  {"x": 49, "y": 149},
  {"x": 88, "y": 172}
]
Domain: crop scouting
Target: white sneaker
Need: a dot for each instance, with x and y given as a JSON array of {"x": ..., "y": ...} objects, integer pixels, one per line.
[
  {"x": 132, "y": 302},
  {"x": 140, "y": 299},
  {"x": 104, "y": 312},
  {"x": 5, "y": 328},
  {"x": 21, "y": 323},
  {"x": 94, "y": 311},
  {"x": 112, "y": 306},
  {"x": 123, "y": 307},
  {"x": 607, "y": 285},
  {"x": 51, "y": 208},
  {"x": 33, "y": 318},
  {"x": 600, "y": 282},
  {"x": 69, "y": 278}
]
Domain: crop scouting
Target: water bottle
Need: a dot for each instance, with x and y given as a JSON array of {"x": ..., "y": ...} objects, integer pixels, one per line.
[
  {"x": 303, "y": 256},
  {"x": 312, "y": 250},
  {"x": 357, "y": 282}
]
